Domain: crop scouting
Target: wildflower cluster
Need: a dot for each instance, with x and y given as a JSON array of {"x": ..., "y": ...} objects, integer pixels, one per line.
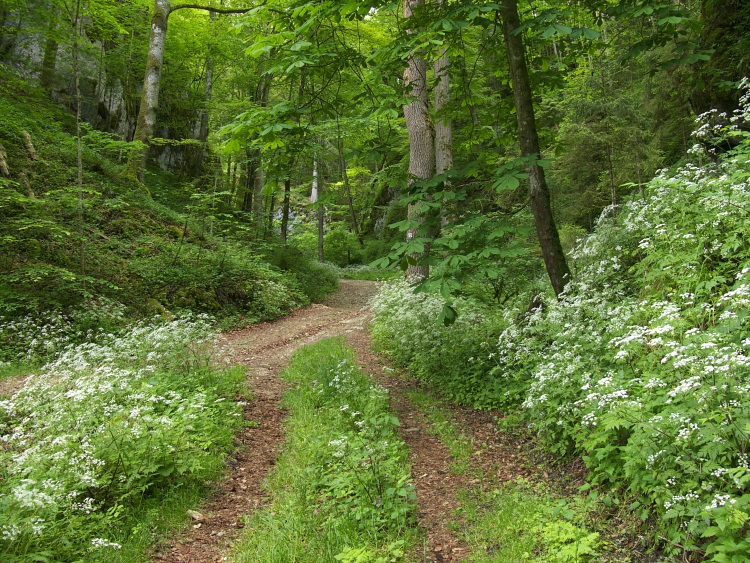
[
  {"x": 37, "y": 337},
  {"x": 105, "y": 425},
  {"x": 642, "y": 367}
]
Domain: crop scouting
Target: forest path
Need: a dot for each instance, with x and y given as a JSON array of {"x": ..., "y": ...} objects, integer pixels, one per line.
[{"x": 265, "y": 349}]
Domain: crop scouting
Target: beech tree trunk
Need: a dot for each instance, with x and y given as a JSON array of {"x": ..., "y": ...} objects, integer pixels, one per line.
[
  {"x": 203, "y": 119},
  {"x": 549, "y": 239},
  {"x": 317, "y": 190},
  {"x": 146, "y": 123},
  {"x": 443, "y": 127},
  {"x": 314, "y": 190},
  {"x": 421, "y": 140}
]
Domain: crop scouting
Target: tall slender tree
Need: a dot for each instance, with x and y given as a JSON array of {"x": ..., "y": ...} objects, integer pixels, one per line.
[
  {"x": 146, "y": 123},
  {"x": 546, "y": 229}
]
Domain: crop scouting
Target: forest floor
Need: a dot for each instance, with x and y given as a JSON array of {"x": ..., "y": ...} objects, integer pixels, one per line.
[{"x": 265, "y": 349}]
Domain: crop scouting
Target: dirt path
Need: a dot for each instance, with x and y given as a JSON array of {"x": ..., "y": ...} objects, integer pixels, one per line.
[{"x": 265, "y": 349}]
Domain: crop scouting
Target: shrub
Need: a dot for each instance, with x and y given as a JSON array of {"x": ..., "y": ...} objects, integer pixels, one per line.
[
  {"x": 454, "y": 358},
  {"x": 316, "y": 280}
]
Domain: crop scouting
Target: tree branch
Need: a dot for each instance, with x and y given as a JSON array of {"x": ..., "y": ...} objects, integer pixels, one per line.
[{"x": 211, "y": 9}]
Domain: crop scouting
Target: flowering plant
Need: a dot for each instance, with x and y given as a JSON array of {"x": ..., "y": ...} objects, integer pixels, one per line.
[{"x": 105, "y": 425}]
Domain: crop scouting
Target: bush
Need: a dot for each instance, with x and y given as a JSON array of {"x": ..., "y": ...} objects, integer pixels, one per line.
[
  {"x": 38, "y": 337},
  {"x": 316, "y": 280},
  {"x": 454, "y": 358}
]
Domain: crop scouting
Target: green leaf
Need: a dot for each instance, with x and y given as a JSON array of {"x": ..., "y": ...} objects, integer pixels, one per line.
[
  {"x": 300, "y": 46},
  {"x": 591, "y": 33}
]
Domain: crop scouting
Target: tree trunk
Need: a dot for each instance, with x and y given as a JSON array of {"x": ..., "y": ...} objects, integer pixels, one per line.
[
  {"x": 321, "y": 222},
  {"x": 315, "y": 193},
  {"x": 203, "y": 120},
  {"x": 347, "y": 187},
  {"x": 314, "y": 190},
  {"x": 285, "y": 210},
  {"x": 261, "y": 96},
  {"x": 76, "y": 24},
  {"x": 549, "y": 239},
  {"x": 443, "y": 126},
  {"x": 146, "y": 124},
  {"x": 257, "y": 182},
  {"x": 51, "y": 46},
  {"x": 421, "y": 140},
  {"x": 269, "y": 215},
  {"x": 612, "y": 187}
]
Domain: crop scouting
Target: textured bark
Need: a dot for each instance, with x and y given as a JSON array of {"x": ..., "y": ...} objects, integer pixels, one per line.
[
  {"x": 314, "y": 190},
  {"x": 146, "y": 123},
  {"x": 443, "y": 128},
  {"x": 285, "y": 210},
  {"x": 421, "y": 137},
  {"x": 317, "y": 190},
  {"x": 321, "y": 224},
  {"x": 549, "y": 239},
  {"x": 258, "y": 181},
  {"x": 261, "y": 96},
  {"x": 203, "y": 119}
]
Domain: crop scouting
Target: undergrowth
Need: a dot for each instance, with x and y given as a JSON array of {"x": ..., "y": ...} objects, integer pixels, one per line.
[
  {"x": 513, "y": 521},
  {"x": 342, "y": 488},
  {"x": 160, "y": 248},
  {"x": 106, "y": 433}
]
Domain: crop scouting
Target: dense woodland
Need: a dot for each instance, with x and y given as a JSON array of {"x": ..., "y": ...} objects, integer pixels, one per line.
[{"x": 557, "y": 192}]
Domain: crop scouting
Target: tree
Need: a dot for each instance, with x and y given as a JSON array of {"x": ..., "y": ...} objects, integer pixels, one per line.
[
  {"x": 421, "y": 140},
  {"x": 146, "y": 124},
  {"x": 546, "y": 229}
]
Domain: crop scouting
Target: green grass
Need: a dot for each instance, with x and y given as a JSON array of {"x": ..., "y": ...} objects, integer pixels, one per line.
[
  {"x": 16, "y": 369},
  {"x": 341, "y": 488},
  {"x": 499, "y": 522},
  {"x": 509, "y": 522},
  {"x": 155, "y": 519}
]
